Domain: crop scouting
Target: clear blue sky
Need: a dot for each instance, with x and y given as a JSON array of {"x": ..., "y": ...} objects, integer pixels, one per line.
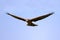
[{"x": 13, "y": 29}]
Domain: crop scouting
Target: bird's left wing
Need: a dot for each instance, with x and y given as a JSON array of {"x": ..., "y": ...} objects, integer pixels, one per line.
[
  {"x": 41, "y": 17},
  {"x": 17, "y": 17}
]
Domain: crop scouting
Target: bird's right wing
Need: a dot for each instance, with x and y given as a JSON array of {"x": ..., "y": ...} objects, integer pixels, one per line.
[
  {"x": 17, "y": 17},
  {"x": 41, "y": 17}
]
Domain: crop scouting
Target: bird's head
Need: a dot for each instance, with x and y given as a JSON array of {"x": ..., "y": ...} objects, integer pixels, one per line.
[{"x": 27, "y": 20}]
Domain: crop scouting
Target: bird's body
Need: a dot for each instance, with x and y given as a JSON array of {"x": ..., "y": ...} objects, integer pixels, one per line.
[{"x": 29, "y": 21}]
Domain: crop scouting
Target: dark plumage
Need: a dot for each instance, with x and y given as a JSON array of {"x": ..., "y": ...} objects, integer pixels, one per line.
[{"x": 29, "y": 21}]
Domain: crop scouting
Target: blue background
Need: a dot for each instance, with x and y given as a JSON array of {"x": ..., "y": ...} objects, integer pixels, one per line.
[{"x": 13, "y": 29}]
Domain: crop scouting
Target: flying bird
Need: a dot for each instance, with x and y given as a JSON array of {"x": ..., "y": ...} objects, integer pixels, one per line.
[{"x": 29, "y": 21}]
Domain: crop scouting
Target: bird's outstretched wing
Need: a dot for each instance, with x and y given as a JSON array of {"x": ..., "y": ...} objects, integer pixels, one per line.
[
  {"x": 17, "y": 17},
  {"x": 41, "y": 17}
]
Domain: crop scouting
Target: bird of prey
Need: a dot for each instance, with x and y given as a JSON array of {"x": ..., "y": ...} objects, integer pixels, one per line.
[{"x": 29, "y": 21}]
